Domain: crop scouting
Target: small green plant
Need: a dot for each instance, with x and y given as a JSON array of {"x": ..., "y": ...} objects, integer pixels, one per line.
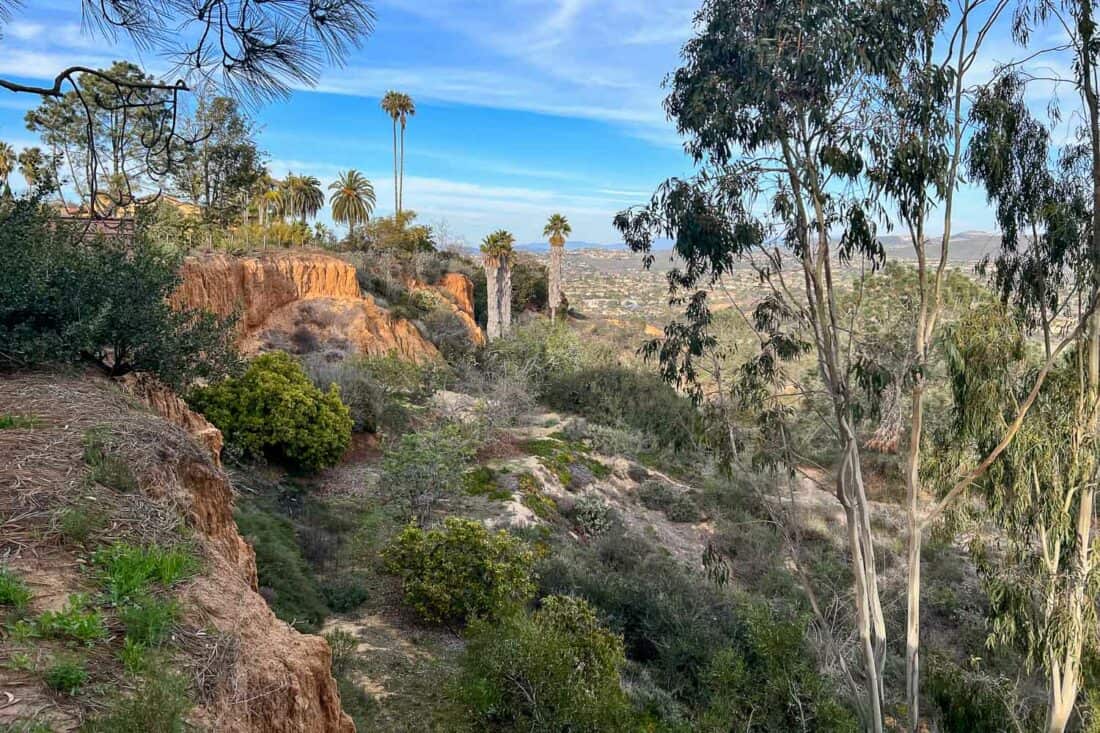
[
  {"x": 26, "y": 726},
  {"x": 76, "y": 524},
  {"x": 593, "y": 515},
  {"x": 345, "y": 595},
  {"x": 66, "y": 676},
  {"x": 274, "y": 410},
  {"x": 19, "y": 422},
  {"x": 105, "y": 466},
  {"x": 159, "y": 704},
  {"x": 656, "y": 495},
  {"x": 556, "y": 670},
  {"x": 343, "y": 645},
  {"x": 75, "y": 621},
  {"x": 483, "y": 481},
  {"x": 13, "y": 591},
  {"x": 148, "y": 620},
  {"x": 134, "y": 656},
  {"x": 20, "y": 662},
  {"x": 461, "y": 570},
  {"x": 128, "y": 571}
]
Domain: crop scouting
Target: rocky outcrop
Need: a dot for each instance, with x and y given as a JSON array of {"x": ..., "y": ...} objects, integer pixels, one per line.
[
  {"x": 457, "y": 293},
  {"x": 302, "y": 302},
  {"x": 249, "y": 671}
]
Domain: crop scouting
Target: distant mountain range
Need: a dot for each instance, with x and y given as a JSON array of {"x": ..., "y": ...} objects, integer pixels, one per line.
[{"x": 968, "y": 246}]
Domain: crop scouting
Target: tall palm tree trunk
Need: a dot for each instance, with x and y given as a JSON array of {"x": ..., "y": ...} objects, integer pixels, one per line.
[
  {"x": 396, "y": 190},
  {"x": 505, "y": 297},
  {"x": 492, "y": 299},
  {"x": 401, "y": 187},
  {"x": 557, "y": 253}
]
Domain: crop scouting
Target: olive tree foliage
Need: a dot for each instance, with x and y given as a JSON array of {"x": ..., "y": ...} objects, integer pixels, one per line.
[
  {"x": 247, "y": 49},
  {"x": 774, "y": 99}
]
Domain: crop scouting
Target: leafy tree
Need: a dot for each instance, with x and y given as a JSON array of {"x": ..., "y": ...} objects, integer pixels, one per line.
[
  {"x": 273, "y": 410},
  {"x": 352, "y": 199},
  {"x": 106, "y": 126},
  {"x": 255, "y": 50},
  {"x": 7, "y": 163},
  {"x": 461, "y": 571},
  {"x": 557, "y": 670},
  {"x": 64, "y": 300},
  {"x": 422, "y": 467},
  {"x": 219, "y": 171},
  {"x": 557, "y": 228},
  {"x": 35, "y": 168}
]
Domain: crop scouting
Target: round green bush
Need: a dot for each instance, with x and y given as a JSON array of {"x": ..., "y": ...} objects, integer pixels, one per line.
[
  {"x": 557, "y": 670},
  {"x": 461, "y": 570},
  {"x": 273, "y": 410}
]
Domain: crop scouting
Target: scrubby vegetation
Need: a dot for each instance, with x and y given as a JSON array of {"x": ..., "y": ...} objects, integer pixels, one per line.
[{"x": 274, "y": 411}]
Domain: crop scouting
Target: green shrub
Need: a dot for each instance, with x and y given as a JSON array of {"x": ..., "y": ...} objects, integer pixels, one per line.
[
  {"x": 345, "y": 595},
  {"x": 461, "y": 570},
  {"x": 593, "y": 515},
  {"x": 159, "y": 704},
  {"x": 540, "y": 350},
  {"x": 620, "y": 396},
  {"x": 656, "y": 495},
  {"x": 66, "y": 676},
  {"x": 285, "y": 579},
  {"x": 148, "y": 620},
  {"x": 105, "y": 466},
  {"x": 129, "y": 571},
  {"x": 967, "y": 699},
  {"x": 421, "y": 468},
  {"x": 343, "y": 645},
  {"x": 273, "y": 410},
  {"x": 374, "y": 388},
  {"x": 13, "y": 591},
  {"x": 65, "y": 300},
  {"x": 683, "y": 509},
  {"x": 557, "y": 670}
]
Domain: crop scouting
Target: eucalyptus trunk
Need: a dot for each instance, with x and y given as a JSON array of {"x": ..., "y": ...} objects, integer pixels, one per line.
[
  {"x": 492, "y": 298},
  {"x": 505, "y": 297},
  {"x": 557, "y": 254}
]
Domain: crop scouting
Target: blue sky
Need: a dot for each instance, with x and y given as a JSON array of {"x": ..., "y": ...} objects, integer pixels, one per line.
[{"x": 524, "y": 107}]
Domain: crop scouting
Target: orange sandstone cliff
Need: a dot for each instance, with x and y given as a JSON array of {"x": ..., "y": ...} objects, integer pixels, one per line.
[{"x": 310, "y": 302}]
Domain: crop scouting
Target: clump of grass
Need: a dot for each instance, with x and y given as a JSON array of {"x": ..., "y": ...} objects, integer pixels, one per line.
[
  {"x": 159, "y": 704},
  {"x": 134, "y": 656},
  {"x": 19, "y": 422},
  {"x": 105, "y": 466},
  {"x": 66, "y": 675},
  {"x": 75, "y": 621},
  {"x": 482, "y": 481},
  {"x": 148, "y": 620},
  {"x": 76, "y": 524},
  {"x": 129, "y": 571},
  {"x": 13, "y": 591},
  {"x": 26, "y": 726}
]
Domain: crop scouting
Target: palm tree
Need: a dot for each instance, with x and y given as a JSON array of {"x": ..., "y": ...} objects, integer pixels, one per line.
[
  {"x": 32, "y": 166},
  {"x": 303, "y": 196},
  {"x": 7, "y": 162},
  {"x": 391, "y": 104},
  {"x": 406, "y": 109},
  {"x": 400, "y": 107},
  {"x": 557, "y": 228},
  {"x": 352, "y": 199},
  {"x": 496, "y": 250}
]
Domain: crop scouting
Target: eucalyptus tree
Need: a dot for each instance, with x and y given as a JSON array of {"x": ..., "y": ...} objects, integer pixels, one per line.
[
  {"x": 496, "y": 251},
  {"x": 773, "y": 99},
  {"x": 250, "y": 50},
  {"x": 352, "y": 199},
  {"x": 1042, "y": 489},
  {"x": 557, "y": 228}
]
